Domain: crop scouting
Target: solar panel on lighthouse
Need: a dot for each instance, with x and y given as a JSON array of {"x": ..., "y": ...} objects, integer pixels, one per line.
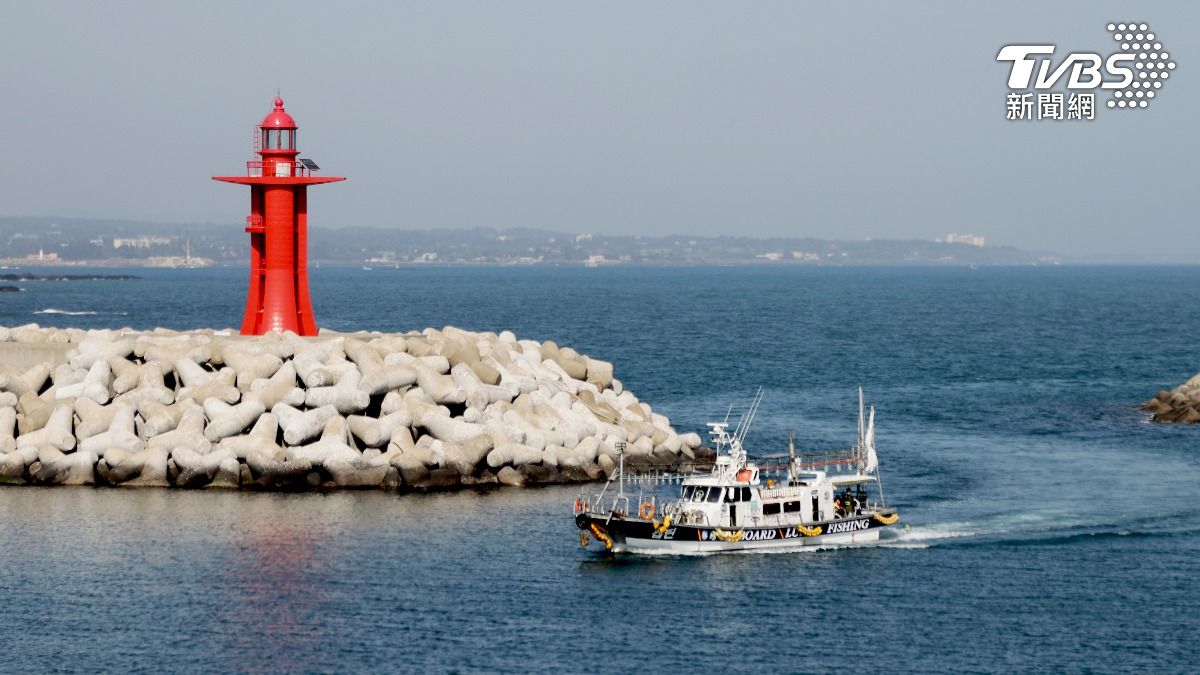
[{"x": 309, "y": 164}]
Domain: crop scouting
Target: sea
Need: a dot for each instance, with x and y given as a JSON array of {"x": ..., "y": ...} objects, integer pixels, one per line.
[{"x": 1050, "y": 526}]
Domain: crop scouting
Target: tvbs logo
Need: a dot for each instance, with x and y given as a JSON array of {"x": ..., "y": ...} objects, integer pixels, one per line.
[
  {"x": 1132, "y": 75},
  {"x": 1084, "y": 68}
]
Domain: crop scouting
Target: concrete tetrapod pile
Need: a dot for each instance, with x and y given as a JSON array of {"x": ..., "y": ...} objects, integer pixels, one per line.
[
  {"x": 1181, "y": 404},
  {"x": 429, "y": 410}
]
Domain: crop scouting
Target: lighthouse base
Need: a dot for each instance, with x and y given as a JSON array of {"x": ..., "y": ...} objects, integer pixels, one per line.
[{"x": 278, "y": 297}]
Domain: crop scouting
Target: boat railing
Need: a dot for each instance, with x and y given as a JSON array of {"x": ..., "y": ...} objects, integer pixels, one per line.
[
  {"x": 629, "y": 498},
  {"x": 812, "y": 461},
  {"x": 823, "y": 461}
]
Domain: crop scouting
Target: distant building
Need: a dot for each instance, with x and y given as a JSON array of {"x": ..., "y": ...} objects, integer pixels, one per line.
[
  {"x": 805, "y": 256},
  {"x": 773, "y": 255},
  {"x": 598, "y": 260},
  {"x": 969, "y": 239},
  {"x": 141, "y": 242}
]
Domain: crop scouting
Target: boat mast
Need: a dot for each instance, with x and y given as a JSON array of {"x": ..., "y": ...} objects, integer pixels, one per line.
[
  {"x": 791, "y": 456},
  {"x": 871, "y": 449},
  {"x": 862, "y": 431}
]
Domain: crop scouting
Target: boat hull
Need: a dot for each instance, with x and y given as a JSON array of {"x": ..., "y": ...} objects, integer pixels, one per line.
[{"x": 641, "y": 536}]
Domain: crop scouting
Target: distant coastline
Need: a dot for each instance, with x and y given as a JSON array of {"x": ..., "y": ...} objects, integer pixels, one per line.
[{"x": 45, "y": 241}]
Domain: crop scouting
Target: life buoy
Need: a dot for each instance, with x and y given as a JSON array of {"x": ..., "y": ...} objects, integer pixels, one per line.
[
  {"x": 578, "y": 506},
  {"x": 646, "y": 511},
  {"x": 744, "y": 475}
]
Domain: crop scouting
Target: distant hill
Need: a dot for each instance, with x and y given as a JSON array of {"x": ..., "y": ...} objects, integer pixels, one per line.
[{"x": 79, "y": 240}]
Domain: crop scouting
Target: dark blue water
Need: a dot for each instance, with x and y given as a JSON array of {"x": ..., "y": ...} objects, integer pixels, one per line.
[{"x": 1053, "y": 527}]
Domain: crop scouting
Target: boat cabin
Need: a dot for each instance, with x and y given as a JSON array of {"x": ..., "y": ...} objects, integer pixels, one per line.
[{"x": 807, "y": 497}]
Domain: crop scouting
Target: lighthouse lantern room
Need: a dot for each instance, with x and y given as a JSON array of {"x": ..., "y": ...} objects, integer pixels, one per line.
[{"x": 278, "y": 297}]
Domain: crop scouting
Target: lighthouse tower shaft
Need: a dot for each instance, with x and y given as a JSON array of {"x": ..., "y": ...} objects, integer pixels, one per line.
[{"x": 278, "y": 297}]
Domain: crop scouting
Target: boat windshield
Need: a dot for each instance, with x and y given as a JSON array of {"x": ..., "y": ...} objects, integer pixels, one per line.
[{"x": 701, "y": 493}]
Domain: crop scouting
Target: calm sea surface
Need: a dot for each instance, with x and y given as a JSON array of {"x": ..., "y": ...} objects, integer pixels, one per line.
[{"x": 1052, "y": 527}]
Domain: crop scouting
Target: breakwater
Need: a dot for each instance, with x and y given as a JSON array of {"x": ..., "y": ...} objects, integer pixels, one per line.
[
  {"x": 1180, "y": 405},
  {"x": 435, "y": 409}
]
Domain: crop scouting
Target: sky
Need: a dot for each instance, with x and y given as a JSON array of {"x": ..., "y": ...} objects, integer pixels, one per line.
[{"x": 840, "y": 120}]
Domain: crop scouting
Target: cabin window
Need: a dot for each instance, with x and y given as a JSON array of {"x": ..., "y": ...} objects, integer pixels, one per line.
[
  {"x": 737, "y": 495},
  {"x": 791, "y": 507},
  {"x": 687, "y": 492},
  {"x": 771, "y": 509},
  {"x": 699, "y": 495},
  {"x": 714, "y": 495}
]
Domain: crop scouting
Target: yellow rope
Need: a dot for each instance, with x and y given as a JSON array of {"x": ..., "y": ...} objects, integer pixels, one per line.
[
  {"x": 809, "y": 531},
  {"x": 728, "y": 536},
  {"x": 887, "y": 520},
  {"x": 584, "y": 539},
  {"x": 602, "y": 536},
  {"x": 662, "y": 527}
]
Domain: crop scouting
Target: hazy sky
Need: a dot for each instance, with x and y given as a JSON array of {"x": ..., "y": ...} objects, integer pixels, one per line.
[{"x": 844, "y": 120}]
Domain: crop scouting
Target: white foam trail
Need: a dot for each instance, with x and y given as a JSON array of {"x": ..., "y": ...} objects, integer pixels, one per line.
[
  {"x": 926, "y": 533},
  {"x": 53, "y": 310}
]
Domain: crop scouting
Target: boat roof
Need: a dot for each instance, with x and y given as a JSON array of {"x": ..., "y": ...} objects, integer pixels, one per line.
[
  {"x": 711, "y": 480},
  {"x": 851, "y": 479}
]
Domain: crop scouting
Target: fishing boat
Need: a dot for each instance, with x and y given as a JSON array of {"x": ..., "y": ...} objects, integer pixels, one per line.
[{"x": 786, "y": 501}]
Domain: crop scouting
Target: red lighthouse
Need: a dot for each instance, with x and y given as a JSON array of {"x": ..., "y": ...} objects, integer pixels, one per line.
[{"x": 278, "y": 225}]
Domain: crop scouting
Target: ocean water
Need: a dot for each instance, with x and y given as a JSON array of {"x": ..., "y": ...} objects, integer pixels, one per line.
[{"x": 1053, "y": 528}]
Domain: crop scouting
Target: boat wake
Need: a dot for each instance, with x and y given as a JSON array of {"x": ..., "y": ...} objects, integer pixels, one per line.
[
  {"x": 924, "y": 536},
  {"x": 1032, "y": 532},
  {"x": 67, "y": 312}
]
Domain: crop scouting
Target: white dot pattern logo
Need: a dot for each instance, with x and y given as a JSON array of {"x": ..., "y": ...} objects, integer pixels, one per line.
[{"x": 1150, "y": 63}]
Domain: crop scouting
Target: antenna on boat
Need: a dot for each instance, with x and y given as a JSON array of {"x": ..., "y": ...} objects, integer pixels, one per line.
[
  {"x": 621, "y": 468},
  {"x": 743, "y": 426}
]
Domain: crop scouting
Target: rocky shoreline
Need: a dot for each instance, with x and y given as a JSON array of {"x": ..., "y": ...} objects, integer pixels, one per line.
[
  {"x": 437, "y": 409},
  {"x": 1179, "y": 405}
]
